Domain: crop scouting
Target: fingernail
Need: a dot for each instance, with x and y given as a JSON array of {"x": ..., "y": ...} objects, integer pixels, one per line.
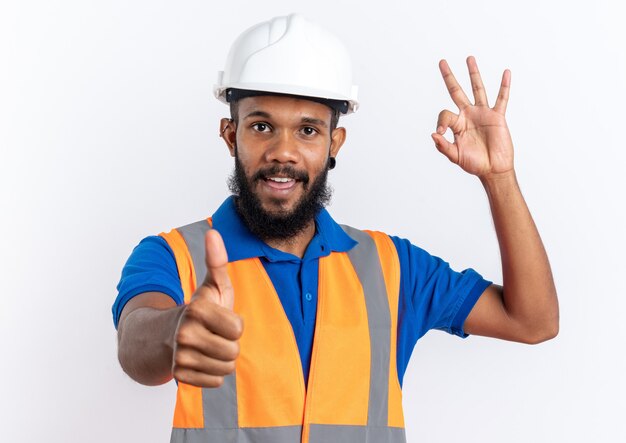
[{"x": 440, "y": 130}]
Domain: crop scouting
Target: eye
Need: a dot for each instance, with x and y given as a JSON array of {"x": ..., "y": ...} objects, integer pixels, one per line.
[
  {"x": 309, "y": 130},
  {"x": 261, "y": 127}
]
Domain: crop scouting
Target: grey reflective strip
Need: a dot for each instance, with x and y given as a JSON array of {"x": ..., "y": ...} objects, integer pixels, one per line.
[
  {"x": 194, "y": 238},
  {"x": 279, "y": 434},
  {"x": 219, "y": 404},
  {"x": 353, "y": 434},
  {"x": 364, "y": 258}
]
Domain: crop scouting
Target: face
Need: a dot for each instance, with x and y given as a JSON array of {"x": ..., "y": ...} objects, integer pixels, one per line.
[{"x": 281, "y": 146}]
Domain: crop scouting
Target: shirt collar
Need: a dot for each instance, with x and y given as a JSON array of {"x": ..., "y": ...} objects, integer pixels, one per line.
[{"x": 241, "y": 243}]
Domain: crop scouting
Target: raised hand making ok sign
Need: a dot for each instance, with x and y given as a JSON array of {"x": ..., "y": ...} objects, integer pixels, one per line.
[{"x": 482, "y": 143}]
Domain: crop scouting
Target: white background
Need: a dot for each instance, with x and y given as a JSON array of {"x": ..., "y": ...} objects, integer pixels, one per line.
[{"x": 108, "y": 133}]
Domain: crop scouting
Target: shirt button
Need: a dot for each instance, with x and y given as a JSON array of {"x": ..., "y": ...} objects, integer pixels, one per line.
[{"x": 308, "y": 296}]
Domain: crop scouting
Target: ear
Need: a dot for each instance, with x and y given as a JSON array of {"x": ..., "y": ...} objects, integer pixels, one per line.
[
  {"x": 228, "y": 131},
  {"x": 336, "y": 141}
]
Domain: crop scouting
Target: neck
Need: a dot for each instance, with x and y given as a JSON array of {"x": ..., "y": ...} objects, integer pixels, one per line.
[{"x": 297, "y": 244}]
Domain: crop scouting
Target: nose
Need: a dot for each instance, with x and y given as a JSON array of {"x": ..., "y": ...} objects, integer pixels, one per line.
[{"x": 283, "y": 148}]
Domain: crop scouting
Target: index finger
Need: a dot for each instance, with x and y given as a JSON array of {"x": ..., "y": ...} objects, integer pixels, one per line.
[{"x": 458, "y": 96}]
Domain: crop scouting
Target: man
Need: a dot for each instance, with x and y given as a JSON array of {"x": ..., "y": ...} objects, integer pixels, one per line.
[{"x": 287, "y": 326}]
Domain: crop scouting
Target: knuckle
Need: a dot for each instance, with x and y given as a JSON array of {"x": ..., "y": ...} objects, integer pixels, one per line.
[
  {"x": 195, "y": 310},
  {"x": 226, "y": 351},
  {"x": 229, "y": 367},
  {"x": 232, "y": 350},
  {"x": 178, "y": 374},
  {"x": 200, "y": 312},
  {"x": 180, "y": 360},
  {"x": 215, "y": 381},
  {"x": 238, "y": 326},
  {"x": 184, "y": 336},
  {"x": 222, "y": 368}
]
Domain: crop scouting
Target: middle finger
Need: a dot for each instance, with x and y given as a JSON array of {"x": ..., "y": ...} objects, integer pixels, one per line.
[{"x": 480, "y": 96}]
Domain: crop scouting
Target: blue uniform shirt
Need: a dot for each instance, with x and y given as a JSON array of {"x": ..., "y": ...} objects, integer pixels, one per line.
[{"x": 432, "y": 296}]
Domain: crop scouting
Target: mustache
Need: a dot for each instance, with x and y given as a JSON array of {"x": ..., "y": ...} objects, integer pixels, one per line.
[{"x": 284, "y": 171}]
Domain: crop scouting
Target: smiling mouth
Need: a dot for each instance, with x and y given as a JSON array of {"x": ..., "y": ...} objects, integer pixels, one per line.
[
  {"x": 280, "y": 183},
  {"x": 280, "y": 179}
]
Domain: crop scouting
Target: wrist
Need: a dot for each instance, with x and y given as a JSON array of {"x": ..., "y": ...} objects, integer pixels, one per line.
[
  {"x": 499, "y": 179},
  {"x": 501, "y": 188}
]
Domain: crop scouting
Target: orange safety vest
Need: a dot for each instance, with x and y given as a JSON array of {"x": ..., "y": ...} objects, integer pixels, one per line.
[{"x": 353, "y": 393}]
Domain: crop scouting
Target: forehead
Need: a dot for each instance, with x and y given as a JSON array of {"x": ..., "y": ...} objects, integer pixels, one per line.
[{"x": 283, "y": 107}]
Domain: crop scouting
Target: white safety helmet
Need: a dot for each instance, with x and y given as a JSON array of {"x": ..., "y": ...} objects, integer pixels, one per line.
[{"x": 289, "y": 55}]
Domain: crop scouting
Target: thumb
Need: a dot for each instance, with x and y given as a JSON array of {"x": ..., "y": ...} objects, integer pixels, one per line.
[{"x": 217, "y": 278}]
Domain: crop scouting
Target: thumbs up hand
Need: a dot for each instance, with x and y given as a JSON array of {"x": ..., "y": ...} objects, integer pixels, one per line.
[{"x": 206, "y": 339}]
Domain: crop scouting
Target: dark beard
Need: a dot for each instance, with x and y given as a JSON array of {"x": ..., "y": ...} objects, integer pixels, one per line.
[{"x": 281, "y": 225}]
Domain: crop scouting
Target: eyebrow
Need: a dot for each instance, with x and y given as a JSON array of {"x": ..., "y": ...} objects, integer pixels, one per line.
[
  {"x": 309, "y": 120},
  {"x": 314, "y": 121},
  {"x": 258, "y": 114}
]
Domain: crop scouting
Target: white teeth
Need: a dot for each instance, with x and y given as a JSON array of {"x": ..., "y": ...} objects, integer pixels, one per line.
[{"x": 280, "y": 179}]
